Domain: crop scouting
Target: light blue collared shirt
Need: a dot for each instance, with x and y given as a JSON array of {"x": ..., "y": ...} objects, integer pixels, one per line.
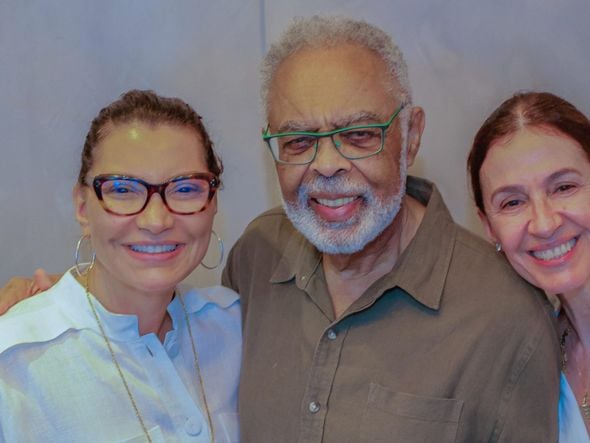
[
  {"x": 571, "y": 424},
  {"x": 59, "y": 383}
]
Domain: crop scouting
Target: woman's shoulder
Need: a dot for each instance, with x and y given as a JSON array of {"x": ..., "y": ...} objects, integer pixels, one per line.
[
  {"x": 215, "y": 302},
  {"x": 39, "y": 318},
  {"x": 218, "y": 295},
  {"x": 212, "y": 305}
]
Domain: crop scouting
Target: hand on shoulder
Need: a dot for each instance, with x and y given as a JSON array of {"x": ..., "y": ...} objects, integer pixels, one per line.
[{"x": 19, "y": 288}]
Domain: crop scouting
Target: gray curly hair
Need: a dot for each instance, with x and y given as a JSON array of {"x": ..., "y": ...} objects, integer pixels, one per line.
[{"x": 320, "y": 31}]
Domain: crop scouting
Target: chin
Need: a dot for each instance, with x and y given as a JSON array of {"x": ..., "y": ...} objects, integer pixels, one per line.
[
  {"x": 158, "y": 281},
  {"x": 562, "y": 285}
]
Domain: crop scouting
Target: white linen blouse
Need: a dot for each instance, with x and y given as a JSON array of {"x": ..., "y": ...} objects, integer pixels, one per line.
[{"x": 58, "y": 381}]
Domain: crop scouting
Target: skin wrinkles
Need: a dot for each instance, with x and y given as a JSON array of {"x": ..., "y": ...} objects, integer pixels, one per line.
[
  {"x": 508, "y": 192},
  {"x": 309, "y": 88},
  {"x": 358, "y": 118},
  {"x": 542, "y": 217}
]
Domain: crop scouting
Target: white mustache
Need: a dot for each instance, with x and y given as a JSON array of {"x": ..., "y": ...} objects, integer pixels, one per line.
[{"x": 332, "y": 185}]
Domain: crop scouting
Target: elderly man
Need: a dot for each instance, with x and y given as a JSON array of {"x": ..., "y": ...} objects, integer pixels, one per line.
[{"x": 369, "y": 315}]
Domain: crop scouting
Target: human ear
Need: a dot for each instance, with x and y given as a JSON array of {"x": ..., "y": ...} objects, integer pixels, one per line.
[
  {"x": 415, "y": 130},
  {"x": 79, "y": 198}
]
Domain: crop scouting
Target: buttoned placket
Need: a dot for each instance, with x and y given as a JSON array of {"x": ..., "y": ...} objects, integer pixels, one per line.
[
  {"x": 326, "y": 358},
  {"x": 187, "y": 418},
  {"x": 325, "y": 363}
]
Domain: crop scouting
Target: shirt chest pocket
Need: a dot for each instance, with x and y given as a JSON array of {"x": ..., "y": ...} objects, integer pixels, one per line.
[{"x": 400, "y": 417}]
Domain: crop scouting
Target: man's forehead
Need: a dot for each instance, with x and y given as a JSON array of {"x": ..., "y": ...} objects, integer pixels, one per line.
[
  {"x": 319, "y": 68},
  {"x": 339, "y": 119},
  {"x": 331, "y": 111},
  {"x": 329, "y": 87}
]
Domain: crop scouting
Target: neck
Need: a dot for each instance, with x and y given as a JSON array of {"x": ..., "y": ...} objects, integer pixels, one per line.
[
  {"x": 349, "y": 276},
  {"x": 149, "y": 308},
  {"x": 576, "y": 307}
]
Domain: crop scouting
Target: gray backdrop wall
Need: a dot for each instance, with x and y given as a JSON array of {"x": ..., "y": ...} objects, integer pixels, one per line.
[{"x": 61, "y": 61}]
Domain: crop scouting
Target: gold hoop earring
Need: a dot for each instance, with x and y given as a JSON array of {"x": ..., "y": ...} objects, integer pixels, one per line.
[
  {"x": 87, "y": 265},
  {"x": 221, "y": 251}
]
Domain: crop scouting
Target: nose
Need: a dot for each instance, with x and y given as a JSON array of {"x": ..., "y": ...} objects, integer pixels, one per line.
[
  {"x": 156, "y": 217},
  {"x": 328, "y": 161},
  {"x": 545, "y": 219}
]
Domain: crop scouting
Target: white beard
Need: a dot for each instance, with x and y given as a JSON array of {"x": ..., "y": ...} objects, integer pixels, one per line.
[{"x": 352, "y": 235}]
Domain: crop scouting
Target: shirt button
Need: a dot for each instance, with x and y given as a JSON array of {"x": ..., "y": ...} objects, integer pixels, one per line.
[
  {"x": 331, "y": 334},
  {"x": 193, "y": 426},
  {"x": 314, "y": 407}
]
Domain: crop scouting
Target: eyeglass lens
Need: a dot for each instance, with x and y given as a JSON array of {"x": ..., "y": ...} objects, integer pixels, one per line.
[
  {"x": 124, "y": 196},
  {"x": 353, "y": 143}
]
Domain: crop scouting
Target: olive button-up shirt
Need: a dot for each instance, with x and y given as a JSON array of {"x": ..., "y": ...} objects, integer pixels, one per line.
[{"x": 450, "y": 346}]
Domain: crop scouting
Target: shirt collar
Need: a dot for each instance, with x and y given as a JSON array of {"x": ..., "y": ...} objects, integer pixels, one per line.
[
  {"x": 300, "y": 260},
  {"x": 126, "y": 327},
  {"x": 422, "y": 269},
  {"x": 197, "y": 299},
  {"x": 71, "y": 298}
]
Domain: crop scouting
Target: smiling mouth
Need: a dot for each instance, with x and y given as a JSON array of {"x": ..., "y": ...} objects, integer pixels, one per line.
[
  {"x": 153, "y": 249},
  {"x": 335, "y": 203},
  {"x": 556, "y": 252}
]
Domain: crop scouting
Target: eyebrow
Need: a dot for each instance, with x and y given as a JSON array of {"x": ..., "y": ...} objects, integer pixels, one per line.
[
  {"x": 508, "y": 189},
  {"x": 343, "y": 122},
  {"x": 562, "y": 172}
]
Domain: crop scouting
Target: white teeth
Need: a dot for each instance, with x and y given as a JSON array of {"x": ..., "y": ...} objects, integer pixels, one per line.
[
  {"x": 153, "y": 249},
  {"x": 556, "y": 252},
  {"x": 335, "y": 202}
]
